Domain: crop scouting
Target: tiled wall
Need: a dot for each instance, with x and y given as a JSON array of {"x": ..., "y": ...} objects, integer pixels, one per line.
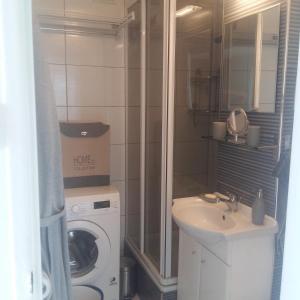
[
  {"x": 88, "y": 76},
  {"x": 288, "y": 116}
]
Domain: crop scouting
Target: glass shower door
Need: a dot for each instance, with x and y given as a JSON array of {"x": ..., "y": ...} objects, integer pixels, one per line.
[
  {"x": 133, "y": 128},
  {"x": 146, "y": 130},
  {"x": 153, "y": 129},
  {"x": 170, "y": 99},
  {"x": 196, "y": 66}
]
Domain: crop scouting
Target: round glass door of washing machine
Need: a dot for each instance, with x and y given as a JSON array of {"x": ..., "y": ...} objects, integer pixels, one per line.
[
  {"x": 89, "y": 250},
  {"x": 83, "y": 252}
]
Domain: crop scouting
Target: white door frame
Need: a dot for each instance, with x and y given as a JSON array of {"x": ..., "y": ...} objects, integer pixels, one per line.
[
  {"x": 164, "y": 134},
  {"x": 143, "y": 124},
  {"x": 169, "y": 38},
  {"x": 170, "y": 137},
  {"x": 291, "y": 260},
  {"x": 143, "y": 112},
  {"x": 20, "y": 259}
]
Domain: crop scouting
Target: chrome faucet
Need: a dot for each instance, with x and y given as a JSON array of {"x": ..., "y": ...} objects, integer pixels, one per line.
[{"x": 230, "y": 200}]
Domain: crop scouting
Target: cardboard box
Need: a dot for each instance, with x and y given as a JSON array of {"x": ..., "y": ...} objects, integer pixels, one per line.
[{"x": 85, "y": 154}]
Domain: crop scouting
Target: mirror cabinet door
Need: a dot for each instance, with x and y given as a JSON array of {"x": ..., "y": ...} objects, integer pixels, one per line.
[
  {"x": 240, "y": 61},
  {"x": 267, "y": 79},
  {"x": 250, "y": 57}
]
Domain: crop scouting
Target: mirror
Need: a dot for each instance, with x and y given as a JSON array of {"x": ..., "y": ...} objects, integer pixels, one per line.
[
  {"x": 237, "y": 126},
  {"x": 250, "y": 57}
]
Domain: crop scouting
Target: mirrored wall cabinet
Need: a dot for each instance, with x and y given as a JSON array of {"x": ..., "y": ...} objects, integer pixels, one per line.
[{"x": 250, "y": 55}]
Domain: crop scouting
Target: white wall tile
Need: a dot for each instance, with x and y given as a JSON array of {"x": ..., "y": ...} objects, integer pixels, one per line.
[
  {"x": 49, "y": 6},
  {"x": 120, "y": 185},
  {"x": 96, "y": 8},
  {"x": 113, "y": 116},
  {"x": 117, "y": 162},
  {"x": 58, "y": 79},
  {"x": 61, "y": 113},
  {"x": 52, "y": 47},
  {"x": 96, "y": 86},
  {"x": 107, "y": 51}
]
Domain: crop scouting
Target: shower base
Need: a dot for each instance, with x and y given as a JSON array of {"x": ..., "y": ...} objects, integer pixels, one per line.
[{"x": 150, "y": 285}]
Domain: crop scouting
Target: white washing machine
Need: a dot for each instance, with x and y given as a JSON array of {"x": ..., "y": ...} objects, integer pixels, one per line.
[{"x": 93, "y": 220}]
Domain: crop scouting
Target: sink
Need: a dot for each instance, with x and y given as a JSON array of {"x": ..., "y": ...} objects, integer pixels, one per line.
[
  {"x": 210, "y": 223},
  {"x": 209, "y": 218}
]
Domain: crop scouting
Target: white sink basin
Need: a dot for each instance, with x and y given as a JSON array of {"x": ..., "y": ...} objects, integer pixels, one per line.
[{"x": 209, "y": 223}]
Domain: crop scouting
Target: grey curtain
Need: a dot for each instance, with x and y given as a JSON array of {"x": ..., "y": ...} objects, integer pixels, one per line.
[{"x": 55, "y": 257}]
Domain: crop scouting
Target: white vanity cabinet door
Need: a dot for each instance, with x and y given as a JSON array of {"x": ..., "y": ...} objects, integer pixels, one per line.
[
  {"x": 188, "y": 268},
  {"x": 214, "y": 274}
]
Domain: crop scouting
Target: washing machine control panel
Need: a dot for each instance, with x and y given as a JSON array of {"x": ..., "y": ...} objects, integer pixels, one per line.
[
  {"x": 102, "y": 204},
  {"x": 93, "y": 208}
]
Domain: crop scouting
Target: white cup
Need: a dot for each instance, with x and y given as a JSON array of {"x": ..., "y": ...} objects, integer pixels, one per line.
[
  {"x": 219, "y": 130},
  {"x": 253, "y": 135}
]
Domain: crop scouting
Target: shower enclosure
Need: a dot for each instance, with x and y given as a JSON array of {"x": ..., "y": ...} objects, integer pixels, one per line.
[{"x": 172, "y": 79}]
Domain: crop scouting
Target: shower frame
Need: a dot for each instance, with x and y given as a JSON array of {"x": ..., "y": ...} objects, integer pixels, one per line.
[{"x": 161, "y": 277}]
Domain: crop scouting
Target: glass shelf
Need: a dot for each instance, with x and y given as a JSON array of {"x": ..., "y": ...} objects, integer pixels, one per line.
[{"x": 260, "y": 147}]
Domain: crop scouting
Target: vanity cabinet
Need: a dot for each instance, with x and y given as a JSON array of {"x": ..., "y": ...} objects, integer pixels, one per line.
[
  {"x": 202, "y": 275},
  {"x": 235, "y": 270},
  {"x": 188, "y": 268},
  {"x": 213, "y": 273}
]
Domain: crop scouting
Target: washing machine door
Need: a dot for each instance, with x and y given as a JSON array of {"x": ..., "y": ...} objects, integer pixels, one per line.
[{"x": 89, "y": 249}]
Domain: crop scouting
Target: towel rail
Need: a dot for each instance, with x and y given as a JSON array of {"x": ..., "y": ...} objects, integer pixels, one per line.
[{"x": 81, "y": 26}]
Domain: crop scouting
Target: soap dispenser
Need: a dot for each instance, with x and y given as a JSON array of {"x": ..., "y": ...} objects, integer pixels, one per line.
[{"x": 258, "y": 209}]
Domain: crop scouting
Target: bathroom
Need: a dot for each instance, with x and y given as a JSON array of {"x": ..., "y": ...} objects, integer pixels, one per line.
[{"x": 192, "y": 104}]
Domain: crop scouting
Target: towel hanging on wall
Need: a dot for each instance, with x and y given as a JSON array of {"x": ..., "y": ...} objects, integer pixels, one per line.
[{"x": 55, "y": 256}]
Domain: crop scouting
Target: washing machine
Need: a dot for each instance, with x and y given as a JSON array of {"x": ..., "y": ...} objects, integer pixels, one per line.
[{"x": 93, "y": 221}]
